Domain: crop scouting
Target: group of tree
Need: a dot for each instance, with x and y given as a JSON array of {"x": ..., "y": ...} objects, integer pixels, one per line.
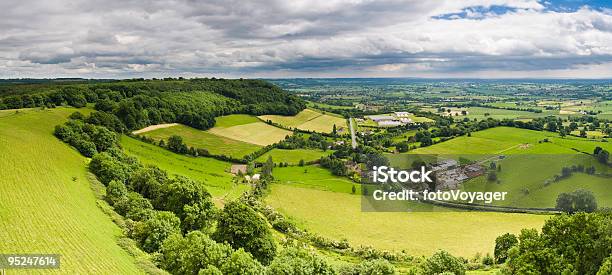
[
  {"x": 568, "y": 244},
  {"x": 580, "y": 200}
]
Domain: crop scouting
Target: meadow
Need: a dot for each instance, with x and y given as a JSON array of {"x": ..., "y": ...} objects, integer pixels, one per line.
[
  {"x": 214, "y": 144},
  {"x": 294, "y": 156},
  {"x": 310, "y": 120},
  {"x": 248, "y": 129},
  {"x": 338, "y": 215},
  {"x": 315, "y": 177},
  {"x": 47, "y": 204},
  {"x": 211, "y": 172}
]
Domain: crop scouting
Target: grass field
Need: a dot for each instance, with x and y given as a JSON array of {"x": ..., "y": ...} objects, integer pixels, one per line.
[
  {"x": 215, "y": 144},
  {"x": 213, "y": 173},
  {"x": 257, "y": 133},
  {"x": 293, "y": 156},
  {"x": 508, "y": 141},
  {"x": 314, "y": 177},
  {"x": 311, "y": 120},
  {"x": 527, "y": 166},
  {"x": 338, "y": 215},
  {"x": 46, "y": 202}
]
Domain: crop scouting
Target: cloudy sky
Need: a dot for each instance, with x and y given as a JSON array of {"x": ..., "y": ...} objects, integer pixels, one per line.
[{"x": 306, "y": 38}]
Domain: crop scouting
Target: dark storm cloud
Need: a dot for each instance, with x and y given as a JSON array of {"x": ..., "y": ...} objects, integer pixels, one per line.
[{"x": 293, "y": 38}]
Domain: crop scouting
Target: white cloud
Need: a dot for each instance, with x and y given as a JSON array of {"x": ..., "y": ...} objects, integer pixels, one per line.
[{"x": 300, "y": 38}]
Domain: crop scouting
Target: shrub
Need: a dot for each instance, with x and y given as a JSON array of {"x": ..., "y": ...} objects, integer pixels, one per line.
[
  {"x": 152, "y": 232},
  {"x": 443, "y": 261}
]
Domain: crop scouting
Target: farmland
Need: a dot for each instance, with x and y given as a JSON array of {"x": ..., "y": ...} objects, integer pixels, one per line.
[
  {"x": 310, "y": 120},
  {"x": 294, "y": 156},
  {"x": 214, "y": 144},
  {"x": 313, "y": 177},
  {"x": 338, "y": 215},
  {"x": 46, "y": 201},
  {"x": 257, "y": 133},
  {"x": 213, "y": 173}
]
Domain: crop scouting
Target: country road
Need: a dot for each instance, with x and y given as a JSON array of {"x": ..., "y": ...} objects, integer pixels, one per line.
[{"x": 353, "y": 137}]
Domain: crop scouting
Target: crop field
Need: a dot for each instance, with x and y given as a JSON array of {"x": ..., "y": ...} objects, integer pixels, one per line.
[
  {"x": 215, "y": 144},
  {"x": 310, "y": 120},
  {"x": 338, "y": 215},
  {"x": 213, "y": 173},
  {"x": 46, "y": 201},
  {"x": 257, "y": 133},
  {"x": 293, "y": 156},
  {"x": 315, "y": 177}
]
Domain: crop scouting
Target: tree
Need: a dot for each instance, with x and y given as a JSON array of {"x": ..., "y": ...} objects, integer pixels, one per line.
[
  {"x": 334, "y": 131},
  {"x": 266, "y": 169},
  {"x": 301, "y": 163},
  {"x": 195, "y": 251},
  {"x": 294, "y": 260},
  {"x": 152, "y": 232},
  {"x": 190, "y": 201},
  {"x": 551, "y": 126},
  {"x": 353, "y": 189},
  {"x": 580, "y": 200},
  {"x": 492, "y": 176},
  {"x": 241, "y": 227},
  {"x": 441, "y": 262},
  {"x": 115, "y": 192},
  {"x": 503, "y": 243},
  {"x": 77, "y": 115},
  {"x": 175, "y": 144},
  {"x": 148, "y": 181},
  {"x": 241, "y": 262},
  {"x": 603, "y": 156},
  {"x": 402, "y": 147}
]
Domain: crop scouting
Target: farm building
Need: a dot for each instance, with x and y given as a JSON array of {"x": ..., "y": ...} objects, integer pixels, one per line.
[
  {"x": 377, "y": 118},
  {"x": 402, "y": 114},
  {"x": 389, "y": 123}
]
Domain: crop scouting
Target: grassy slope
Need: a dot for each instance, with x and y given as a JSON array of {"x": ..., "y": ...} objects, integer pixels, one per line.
[
  {"x": 42, "y": 210},
  {"x": 215, "y": 144},
  {"x": 293, "y": 156},
  {"x": 210, "y": 171},
  {"x": 338, "y": 215},
  {"x": 309, "y": 119}
]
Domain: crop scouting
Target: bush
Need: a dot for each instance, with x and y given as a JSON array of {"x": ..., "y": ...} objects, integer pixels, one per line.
[
  {"x": 189, "y": 254},
  {"x": 241, "y": 227},
  {"x": 378, "y": 267},
  {"x": 294, "y": 260},
  {"x": 503, "y": 243},
  {"x": 443, "y": 261},
  {"x": 242, "y": 263}
]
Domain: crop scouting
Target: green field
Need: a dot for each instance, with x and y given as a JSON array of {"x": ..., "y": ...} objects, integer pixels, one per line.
[
  {"x": 314, "y": 177},
  {"x": 213, "y": 173},
  {"x": 310, "y": 120},
  {"x": 46, "y": 201},
  {"x": 257, "y": 133},
  {"x": 338, "y": 215},
  {"x": 293, "y": 156},
  {"x": 508, "y": 140},
  {"x": 527, "y": 166},
  {"x": 214, "y": 144}
]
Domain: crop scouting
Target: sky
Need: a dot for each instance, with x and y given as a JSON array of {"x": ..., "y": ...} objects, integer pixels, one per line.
[{"x": 306, "y": 38}]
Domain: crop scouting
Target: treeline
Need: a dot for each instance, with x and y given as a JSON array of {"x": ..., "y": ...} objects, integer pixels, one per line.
[
  {"x": 193, "y": 102},
  {"x": 568, "y": 244}
]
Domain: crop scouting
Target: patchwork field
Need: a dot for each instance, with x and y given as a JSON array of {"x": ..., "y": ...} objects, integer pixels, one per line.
[
  {"x": 338, "y": 215},
  {"x": 213, "y": 173},
  {"x": 257, "y": 133},
  {"x": 46, "y": 201},
  {"x": 215, "y": 144},
  {"x": 310, "y": 120},
  {"x": 508, "y": 141},
  {"x": 293, "y": 156}
]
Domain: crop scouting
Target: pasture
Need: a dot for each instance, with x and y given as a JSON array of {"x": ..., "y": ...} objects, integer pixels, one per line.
[
  {"x": 314, "y": 177},
  {"x": 213, "y": 173},
  {"x": 294, "y": 156},
  {"x": 47, "y": 204},
  {"x": 214, "y": 144},
  {"x": 310, "y": 120},
  {"x": 338, "y": 215}
]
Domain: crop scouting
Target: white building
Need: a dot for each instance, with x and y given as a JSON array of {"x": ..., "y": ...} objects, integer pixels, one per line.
[
  {"x": 402, "y": 114},
  {"x": 377, "y": 118},
  {"x": 389, "y": 123}
]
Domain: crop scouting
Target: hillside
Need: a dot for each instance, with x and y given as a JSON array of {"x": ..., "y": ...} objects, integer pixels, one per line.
[{"x": 46, "y": 201}]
